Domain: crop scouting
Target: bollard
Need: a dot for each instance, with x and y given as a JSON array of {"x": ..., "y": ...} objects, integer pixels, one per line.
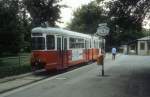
[
  {"x": 19, "y": 59},
  {"x": 100, "y": 61}
]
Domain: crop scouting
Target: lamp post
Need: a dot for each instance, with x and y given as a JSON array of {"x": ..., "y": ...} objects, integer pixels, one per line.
[{"x": 102, "y": 31}]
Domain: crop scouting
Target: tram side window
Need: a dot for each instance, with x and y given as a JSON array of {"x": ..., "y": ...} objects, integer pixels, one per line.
[
  {"x": 86, "y": 42},
  {"x": 38, "y": 43},
  {"x": 100, "y": 44},
  {"x": 97, "y": 44},
  {"x": 65, "y": 43},
  {"x": 80, "y": 43},
  {"x": 76, "y": 43},
  {"x": 71, "y": 43},
  {"x": 87, "y": 45},
  {"x": 94, "y": 44},
  {"x": 90, "y": 44},
  {"x": 58, "y": 43},
  {"x": 50, "y": 42}
]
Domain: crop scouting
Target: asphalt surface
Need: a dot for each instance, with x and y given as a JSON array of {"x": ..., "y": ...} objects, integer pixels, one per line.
[{"x": 127, "y": 76}]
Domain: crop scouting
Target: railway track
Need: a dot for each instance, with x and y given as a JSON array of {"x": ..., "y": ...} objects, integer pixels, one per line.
[{"x": 11, "y": 83}]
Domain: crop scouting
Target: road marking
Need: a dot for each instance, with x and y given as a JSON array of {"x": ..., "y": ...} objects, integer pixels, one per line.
[{"x": 61, "y": 78}]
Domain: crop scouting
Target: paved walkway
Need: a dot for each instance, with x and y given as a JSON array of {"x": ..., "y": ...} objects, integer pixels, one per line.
[
  {"x": 13, "y": 82},
  {"x": 127, "y": 76}
]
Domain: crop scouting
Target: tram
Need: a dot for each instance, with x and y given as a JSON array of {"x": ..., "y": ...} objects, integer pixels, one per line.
[{"x": 56, "y": 48}]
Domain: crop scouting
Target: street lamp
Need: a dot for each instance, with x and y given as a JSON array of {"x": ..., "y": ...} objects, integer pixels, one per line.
[{"x": 102, "y": 31}]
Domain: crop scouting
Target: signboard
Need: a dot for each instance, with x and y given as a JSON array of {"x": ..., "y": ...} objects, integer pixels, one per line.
[
  {"x": 102, "y": 24},
  {"x": 102, "y": 30}
]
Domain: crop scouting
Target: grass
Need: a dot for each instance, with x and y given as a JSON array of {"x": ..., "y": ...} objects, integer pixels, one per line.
[
  {"x": 15, "y": 65},
  {"x": 11, "y": 61},
  {"x": 14, "y": 70}
]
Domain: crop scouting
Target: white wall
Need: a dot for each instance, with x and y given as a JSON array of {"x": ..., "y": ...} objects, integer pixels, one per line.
[{"x": 144, "y": 51}]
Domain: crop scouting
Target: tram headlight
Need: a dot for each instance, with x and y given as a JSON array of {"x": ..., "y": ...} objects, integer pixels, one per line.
[{"x": 39, "y": 60}]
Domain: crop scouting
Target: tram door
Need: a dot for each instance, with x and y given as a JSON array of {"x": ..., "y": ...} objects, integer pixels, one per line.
[
  {"x": 86, "y": 50},
  {"x": 65, "y": 52},
  {"x": 59, "y": 50},
  {"x": 62, "y": 52}
]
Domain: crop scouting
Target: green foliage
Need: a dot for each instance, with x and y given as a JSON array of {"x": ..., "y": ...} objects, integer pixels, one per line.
[
  {"x": 87, "y": 18},
  {"x": 126, "y": 15},
  {"x": 124, "y": 19},
  {"x": 15, "y": 65},
  {"x": 14, "y": 70},
  {"x": 26, "y": 21},
  {"x": 10, "y": 35},
  {"x": 43, "y": 11},
  {"x": 16, "y": 23},
  {"x": 13, "y": 26}
]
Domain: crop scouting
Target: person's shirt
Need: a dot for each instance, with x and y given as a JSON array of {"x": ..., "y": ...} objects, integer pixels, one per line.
[{"x": 113, "y": 50}]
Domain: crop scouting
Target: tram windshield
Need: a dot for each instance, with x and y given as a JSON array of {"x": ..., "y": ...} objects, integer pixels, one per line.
[
  {"x": 50, "y": 42},
  {"x": 38, "y": 43}
]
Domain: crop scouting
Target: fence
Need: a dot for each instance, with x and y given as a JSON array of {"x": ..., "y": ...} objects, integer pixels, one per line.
[{"x": 14, "y": 65}]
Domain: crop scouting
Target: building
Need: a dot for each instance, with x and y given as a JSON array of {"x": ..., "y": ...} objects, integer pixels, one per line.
[
  {"x": 139, "y": 47},
  {"x": 143, "y": 46}
]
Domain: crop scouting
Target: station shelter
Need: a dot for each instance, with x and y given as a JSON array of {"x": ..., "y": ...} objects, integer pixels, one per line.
[{"x": 138, "y": 47}]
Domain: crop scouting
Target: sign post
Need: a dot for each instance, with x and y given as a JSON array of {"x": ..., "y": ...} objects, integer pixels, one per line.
[{"x": 102, "y": 31}]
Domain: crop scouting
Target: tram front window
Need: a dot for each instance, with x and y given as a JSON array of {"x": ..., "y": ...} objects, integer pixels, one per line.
[
  {"x": 50, "y": 39},
  {"x": 38, "y": 43}
]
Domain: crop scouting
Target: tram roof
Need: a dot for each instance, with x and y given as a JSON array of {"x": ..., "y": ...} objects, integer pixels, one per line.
[{"x": 59, "y": 31}]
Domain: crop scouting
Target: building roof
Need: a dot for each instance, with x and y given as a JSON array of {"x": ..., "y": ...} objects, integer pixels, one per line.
[{"x": 144, "y": 38}]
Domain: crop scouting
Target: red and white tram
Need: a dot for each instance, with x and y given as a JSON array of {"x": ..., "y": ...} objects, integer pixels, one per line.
[{"x": 55, "y": 48}]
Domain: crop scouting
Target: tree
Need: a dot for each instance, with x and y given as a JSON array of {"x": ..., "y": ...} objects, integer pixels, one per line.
[
  {"x": 43, "y": 11},
  {"x": 10, "y": 30},
  {"x": 125, "y": 18},
  {"x": 14, "y": 26},
  {"x": 26, "y": 25},
  {"x": 87, "y": 18}
]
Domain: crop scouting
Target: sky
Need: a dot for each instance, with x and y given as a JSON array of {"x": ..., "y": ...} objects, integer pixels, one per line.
[{"x": 67, "y": 13}]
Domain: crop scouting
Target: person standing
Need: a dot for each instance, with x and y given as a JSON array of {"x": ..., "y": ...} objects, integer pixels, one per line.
[{"x": 113, "y": 53}]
